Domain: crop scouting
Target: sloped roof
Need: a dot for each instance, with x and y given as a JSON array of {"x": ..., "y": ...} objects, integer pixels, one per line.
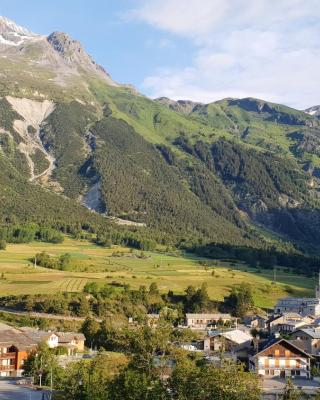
[
  {"x": 67, "y": 337},
  {"x": 237, "y": 336},
  {"x": 314, "y": 333},
  {"x": 39, "y": 336},
  {"x": 17, "y": 339},
  {"x": 282, "y": 341},
  {"x": 301, "y": 344},
  {"x": 209, "y": 316}
]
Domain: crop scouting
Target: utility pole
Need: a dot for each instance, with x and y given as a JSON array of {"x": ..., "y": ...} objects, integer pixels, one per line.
[
  {"x": 35, "y": 262},
  {"x": 51, "y": 383},
  {"x": 274, "y": 275}
]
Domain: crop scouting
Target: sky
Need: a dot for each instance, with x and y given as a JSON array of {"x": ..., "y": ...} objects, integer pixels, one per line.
[{"x": 202, "y": 50}]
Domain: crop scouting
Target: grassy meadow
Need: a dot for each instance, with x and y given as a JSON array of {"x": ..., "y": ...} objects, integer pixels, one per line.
[{"x": 124, "y": 266}]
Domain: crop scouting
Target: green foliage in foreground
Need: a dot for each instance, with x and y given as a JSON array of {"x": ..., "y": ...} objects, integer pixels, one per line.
[
  {"x": 189, "y": 381},
  {"x": 141, "y": 374}
]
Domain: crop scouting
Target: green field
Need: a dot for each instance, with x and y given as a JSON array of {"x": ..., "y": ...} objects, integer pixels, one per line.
[{"x": 170, "y": 272}]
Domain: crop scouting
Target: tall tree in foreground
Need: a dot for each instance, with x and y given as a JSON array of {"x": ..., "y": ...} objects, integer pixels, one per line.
[{"x": 190, "y": 381}]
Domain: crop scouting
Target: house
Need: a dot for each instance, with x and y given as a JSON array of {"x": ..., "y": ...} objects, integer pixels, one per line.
[
  {"x": 16, "y": 345},
  {"x": 203, "y": 321},
  {"x": 14, "y": 350},
  {"x": 308, "y": 338},
  {"x": 50, "y": 338},
  {"x": 73, "y": 342},
  {"x": 255, "y": 322},
  {"x": 302, "y": 306},
  {"x": 281, "y": 358},
  {"x": 288, "y": 322},
  {"x": 227, "y": 341}
]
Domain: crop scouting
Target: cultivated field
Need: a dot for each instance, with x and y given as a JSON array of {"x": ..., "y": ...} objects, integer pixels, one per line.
[{"x": 122, "y": 265}]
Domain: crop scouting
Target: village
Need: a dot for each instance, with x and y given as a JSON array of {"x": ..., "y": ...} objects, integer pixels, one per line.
[{"x": 278, "y": 347}]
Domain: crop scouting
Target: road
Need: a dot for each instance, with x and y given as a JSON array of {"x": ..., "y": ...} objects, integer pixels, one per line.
[
  {"x": 277, "y": 385},
  {"x": 9, "y": 390}
]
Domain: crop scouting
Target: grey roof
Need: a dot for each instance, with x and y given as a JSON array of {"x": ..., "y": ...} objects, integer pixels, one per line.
[
  {"x": 291, "y": 315},
  {"x": 38, "y": 336},
  {"x": 17, "y": 339},
  {"x": 314, "y": 333},
  {"x": 67, "y": 337},
  {"x": 301, "y": 344},
  {"x": 272, "y": 342}
]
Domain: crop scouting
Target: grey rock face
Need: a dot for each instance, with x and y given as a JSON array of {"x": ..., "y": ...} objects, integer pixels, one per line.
[{"x": 73, "y": 52}]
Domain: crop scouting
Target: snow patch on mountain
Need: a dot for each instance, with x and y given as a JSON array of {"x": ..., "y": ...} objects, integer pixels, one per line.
[
  {"x": 314, "y": 111},
  {"x": 12, "y": 34}
]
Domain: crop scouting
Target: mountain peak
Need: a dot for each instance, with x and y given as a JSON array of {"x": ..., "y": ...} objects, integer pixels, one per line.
[
  {"x": 73, "y": 52},
  {"x": 65, "y": 45},
  {"x": 13, "y": 34},
  {"x": 314, "y": 111}
]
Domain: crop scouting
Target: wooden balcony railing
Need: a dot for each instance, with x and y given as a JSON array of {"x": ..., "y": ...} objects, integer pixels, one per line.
[
  {"x": 6, "y": 356},
  {"x": 7, "y": 367}
]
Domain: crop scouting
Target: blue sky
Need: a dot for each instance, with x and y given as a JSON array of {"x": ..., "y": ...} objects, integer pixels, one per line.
[{"x": 203, "y": 50}]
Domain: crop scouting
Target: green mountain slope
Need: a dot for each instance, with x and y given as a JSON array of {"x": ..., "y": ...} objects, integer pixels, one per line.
[{"x": 219, "y": 172}]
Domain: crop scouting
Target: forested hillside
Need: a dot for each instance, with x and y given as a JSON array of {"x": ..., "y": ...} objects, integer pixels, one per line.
[{"x": 237, "y": 171}]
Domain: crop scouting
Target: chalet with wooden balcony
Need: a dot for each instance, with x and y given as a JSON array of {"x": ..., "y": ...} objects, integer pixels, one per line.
[{"x": 281, "y": 358}]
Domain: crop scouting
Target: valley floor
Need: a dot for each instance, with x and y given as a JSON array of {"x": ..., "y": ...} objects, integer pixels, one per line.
[{"x": 123, "y": 266}]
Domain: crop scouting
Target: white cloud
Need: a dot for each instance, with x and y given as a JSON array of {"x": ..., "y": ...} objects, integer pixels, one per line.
[{"x": 260, "y": 48}]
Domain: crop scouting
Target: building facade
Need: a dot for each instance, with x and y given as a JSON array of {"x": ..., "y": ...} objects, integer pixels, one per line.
[
  {"x": 203, "y": 321},
  {"x": 309, "y": 338},
  {"x": 303, "y": 306},
  {"x": 226, "y": 341},
  {"x": 281, "y": 358},
  {"x": 288, "y": 322},
  {"x": 14, "y": 350},
  {"x": 17, "y": 344},
  {"x": 73, "y": 342}
]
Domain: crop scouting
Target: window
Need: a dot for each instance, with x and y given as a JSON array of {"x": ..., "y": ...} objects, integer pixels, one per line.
[
  {"x": 277, "y": 352},
  {"x": 287, "y": 353}
]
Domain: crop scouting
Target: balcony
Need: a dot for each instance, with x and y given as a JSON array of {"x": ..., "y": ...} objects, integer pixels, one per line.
[
  {"x": 7, "y": 368},
  {"x": 7, "y": 356}
]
